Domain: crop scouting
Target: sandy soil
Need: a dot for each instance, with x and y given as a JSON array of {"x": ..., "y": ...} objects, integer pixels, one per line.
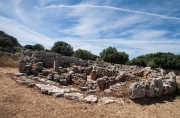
[{"x": 18, "y": 101}]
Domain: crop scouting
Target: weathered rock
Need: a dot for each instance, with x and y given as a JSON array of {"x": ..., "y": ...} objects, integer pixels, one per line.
[
  {"x": 40, "y": 66},
  {"x": 56, "y": 78},
  {"x": 46, "y": 72},
  {"x": 107, "y": 100},
  {"x": 167, "y": 89},
  {"x": 107, "y": 92},
  {"x": 93, "y": 75},
  {"x": 25, "y": 81},
  {"x": 156, "y": 88},
  {"x": 68, "y": 79},
  {"x": 56, "y": 65},
  {"x": 19, "y": 74},
  {"x": 172, "y": 84},
  {"x": 48, "y": 89},
  {"x": 136, "y": 90},
  {"x": 22, "y": 66},
  {"x": 57, "y": 95},
  {"x": 92, "y": 91},
  {"x": 83, "y": 88},
  {"x": 27, "y": 69},
  {"x": 73, "y": 96},
  {"x": 90, "y": 99},
  {"x": 63, "y": 82}
]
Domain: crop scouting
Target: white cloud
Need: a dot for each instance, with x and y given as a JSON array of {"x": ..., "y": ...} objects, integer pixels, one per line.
[
  {"x": 23, "y": 33},
  {"x": 112, "y": 8},
  {"x": 93, "y": 27}
]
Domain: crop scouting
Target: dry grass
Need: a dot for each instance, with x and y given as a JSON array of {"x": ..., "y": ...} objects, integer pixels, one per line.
[
  {"x": 9, "y": 60},
  {"x": 18, "y": 101}
]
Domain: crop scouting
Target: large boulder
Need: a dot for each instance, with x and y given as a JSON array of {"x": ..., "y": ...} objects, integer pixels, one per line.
[
  {"x": 136, "y": 90},
  {"x": 156, "y": 88}
]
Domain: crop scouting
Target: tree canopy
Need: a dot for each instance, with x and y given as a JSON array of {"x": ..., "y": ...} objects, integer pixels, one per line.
[
  {"x": 111, "y": 55},
  {"x": 159, "y": 59},
  {"x": 84, "y": 54},
  {"x": 7, "y": 41},
  {"x": 37, "y": 47},
  {"x": 62, "y": 48}
]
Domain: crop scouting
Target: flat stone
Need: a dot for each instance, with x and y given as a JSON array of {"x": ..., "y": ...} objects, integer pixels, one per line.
[
  {"x": 73, "y": 96},
  {"x": 57, "y": 95},
  {"x": 92, "y": 91},
  {"x": 19, "y": 74},
  {"x": 90, "y": 99},
  {"x": 48, "y": 89},
  {"x": 109, "y": 101},
  {"x": 84, "y": 88}
]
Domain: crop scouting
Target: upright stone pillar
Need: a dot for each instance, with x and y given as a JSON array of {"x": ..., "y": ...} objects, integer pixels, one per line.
[
  {"x": 56, "y": 65},
  {"x": 93, "y": 75}
]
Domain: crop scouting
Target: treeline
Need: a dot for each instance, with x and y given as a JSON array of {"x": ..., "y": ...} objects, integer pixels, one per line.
[
  {"x": 8, "y": 43},
  {"x": 159, "y": 59},
  {"x": 110, "y": 54}
]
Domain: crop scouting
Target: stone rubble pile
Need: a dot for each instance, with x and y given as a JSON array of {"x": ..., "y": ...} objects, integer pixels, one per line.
[{"x": 73, "y": 78}]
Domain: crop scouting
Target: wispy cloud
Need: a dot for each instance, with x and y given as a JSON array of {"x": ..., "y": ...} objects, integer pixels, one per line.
[
  {"x": 112, "y": 8},
  {"x": 91, "y": 25}
]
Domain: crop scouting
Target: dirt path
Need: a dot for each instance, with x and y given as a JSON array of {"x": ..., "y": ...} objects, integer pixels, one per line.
[{"x": 18, "y": 101}]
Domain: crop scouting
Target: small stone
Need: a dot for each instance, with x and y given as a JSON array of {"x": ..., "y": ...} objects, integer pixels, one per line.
[
  {"x": 84, "y": 88},
  {"x": 92, "y": 91},
  {"x": 63, "y": 82},
  {"x": 107, "y": 92},
  {"x": 109, "y": 101},
  {"x": 19, "y": 74},
  {"x": 90, "y": 99}
]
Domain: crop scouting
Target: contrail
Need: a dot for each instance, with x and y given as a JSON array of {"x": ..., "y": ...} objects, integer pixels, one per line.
[{"x": 113, "y": 8}]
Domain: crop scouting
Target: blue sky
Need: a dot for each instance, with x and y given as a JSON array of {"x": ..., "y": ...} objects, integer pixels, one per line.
[{"x": 136, "y": 27}]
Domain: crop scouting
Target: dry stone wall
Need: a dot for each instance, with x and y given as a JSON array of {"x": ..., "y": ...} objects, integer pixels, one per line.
[{"x": 119, "y": 80}]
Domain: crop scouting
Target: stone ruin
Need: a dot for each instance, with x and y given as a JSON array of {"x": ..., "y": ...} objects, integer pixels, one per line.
[{"x": 73, "y": 78}]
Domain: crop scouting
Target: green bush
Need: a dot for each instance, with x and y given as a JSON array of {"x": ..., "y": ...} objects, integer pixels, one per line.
[{"x": 111, "y": 55}]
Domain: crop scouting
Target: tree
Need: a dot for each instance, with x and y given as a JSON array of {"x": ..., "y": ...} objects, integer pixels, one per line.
[
  {"x": 8, "y": 43},
  {"x": 159, "y": 59},
  {"x": 38, "y": 47},
  {"x": 111, "y": 55},
  {"x": 84, "y": 54},
  {"x": 62, "y": 48},
  {"x": 29, "y": 47}
]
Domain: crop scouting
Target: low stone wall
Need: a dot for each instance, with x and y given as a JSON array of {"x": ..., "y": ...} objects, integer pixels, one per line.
[
  {"x": 49, "y": 58},
  {"x": 134, "y": 81},
  {"x": 153, "y": 88}
]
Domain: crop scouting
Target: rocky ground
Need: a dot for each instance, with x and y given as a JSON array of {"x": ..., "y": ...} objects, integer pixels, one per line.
[{"x": 20, "y": 101}]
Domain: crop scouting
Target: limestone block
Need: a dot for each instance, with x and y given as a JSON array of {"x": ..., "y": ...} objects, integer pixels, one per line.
[
  {"x": 73, "y": 96},
  {"x": 136, "y": 90},
  {"x": 93, "y": 75},
  {"x": 22, "y": 66},
  {"x": 90, "y": 99}
]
